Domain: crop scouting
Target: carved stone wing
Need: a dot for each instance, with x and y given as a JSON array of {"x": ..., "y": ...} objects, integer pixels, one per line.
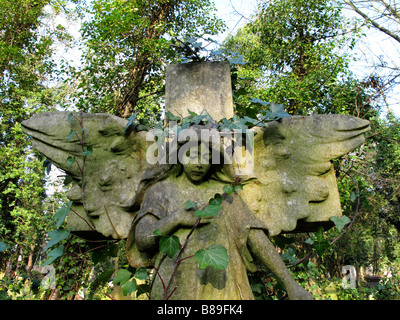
[
  {"x": 113, "y": 168},
  {"x": 295, "y": 187}
]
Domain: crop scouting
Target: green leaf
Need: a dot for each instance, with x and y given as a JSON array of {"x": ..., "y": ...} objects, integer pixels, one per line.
[
  {"x": 88, "y": 152},
  {"x": 228, "y": 189},
  {"x": 68, "y": 180},
  {"x": 3, "y": 246},
  {"x": 62, "y": 213},
  {"x": 258, "y": 101},
  {"x": 282, "y": 241},
  {"x": 340, "y": 222},
  {"x": 53, "y": 255},
  {"x": 71, "y": 134},
  {"x": 289, "y": 256},
  {"x": 237, "y": 60},
  {"x": 277, "y": 111},
  {"x": 105, "y": 276},
  {"x": 321, "y": 247},
  {"x": 320, "y": 244},
  {"x": 141, "y": 274},
  {"x": 170, "y": 245},
  {"x": 217, "y": 200},
  {"x": 129, "y": 287},
  {"x": 47, "y": 165},
  {"x": 171, "y": 117},
  {"x": 353, "y": 196},
  {"x": 215, "y": 256},
  {"x": 55, "y": 237},
  {"x": 122, "y": 276},
  {"x": 102, "y": 254},
  {"x": 70, "y": 161},
  {"x": 189, "y": 204},
  {"x": 157, "y": 232},
  {"x": 130, "y": 121},
  {"x": 310, "y": 241},
  {"x": 209, "y": 211},
  {"x": 70, "y": 117}
]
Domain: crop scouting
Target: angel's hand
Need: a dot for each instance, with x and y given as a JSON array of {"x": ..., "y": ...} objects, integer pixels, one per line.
[{"x": 186, "y": 218}]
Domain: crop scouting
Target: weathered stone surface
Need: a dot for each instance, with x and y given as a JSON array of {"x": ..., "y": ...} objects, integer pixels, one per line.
[
  {"x": 292, "y": 189},
  {"x": 199, "y": 86},
  {"x": 295, "y": 180},
  {"x": 111, "y": 174},
  {"x": 229, "y": 229}
]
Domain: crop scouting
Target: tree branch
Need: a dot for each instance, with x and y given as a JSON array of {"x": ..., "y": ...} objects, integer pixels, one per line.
[{"x": 374, "y": 23}]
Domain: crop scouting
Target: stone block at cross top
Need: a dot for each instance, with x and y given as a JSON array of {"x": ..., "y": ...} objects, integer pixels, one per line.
[{"x": 198, "y": 87}]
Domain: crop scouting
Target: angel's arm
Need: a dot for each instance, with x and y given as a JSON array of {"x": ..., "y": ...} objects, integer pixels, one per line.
[
  {"x": 144, "y": 232},
  {"x": 262, "y": 248}
]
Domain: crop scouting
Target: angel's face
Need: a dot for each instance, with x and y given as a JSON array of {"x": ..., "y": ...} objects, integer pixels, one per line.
[{"x": 195, "y": 170}]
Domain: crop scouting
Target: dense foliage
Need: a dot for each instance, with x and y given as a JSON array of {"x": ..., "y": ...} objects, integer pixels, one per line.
[{"x": 295, "y": 53}]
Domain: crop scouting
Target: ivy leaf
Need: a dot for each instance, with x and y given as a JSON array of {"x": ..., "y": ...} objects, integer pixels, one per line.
[
  {"x": 55, "y": 237},
  {"x": 62, "y": 213},
  {"x": 171, "y": 117},
  {"x": 289, "y": 256},
  {"x": 215, "y": 256},
  {"x": 3, "y": 246},
  {"x": 70, "y": 161},
  {"x": 320, "y": 244},
  {"x": 340, "y": 222},
  {"x": 310, "y": 241},
  {"x": 228, "y": 189},
  {"x": 217, "y": 200},
  {"x": 169, "y": 245},
  {"x": 130, "y": 121},
  {"x": 258, "y": 101},
  {"x": 88, "y": 152},
  {"x": 129, "y": 287},
  {"x": 53, "y": 255},
  {"x": 157, "y": 232},
  {"x": 237, "y": 60},
  {"x": 71, "y": 134},
  {"x": 282, "y": 241},
  {"x": 209, "y": 211},
  {"x": 320, "y": 247},
  {"x": 277, "y": 111},
  {"x": 353, "y": 196},
  {"x": 122, "y": 276},
  {"x": 189, "y": 204},
  {"x": 68, "y": 180},
  {"x": 47, "y": 165},
  {"x": 102, "y": 254},
  {"x": 141, "y": 274},
  {"x": 105, "y": 276}
]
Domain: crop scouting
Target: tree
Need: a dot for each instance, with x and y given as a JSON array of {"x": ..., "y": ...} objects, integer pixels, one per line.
[
  {"x": 26, "y": 66},
  {"x": 294, "y": 52},
  {"x": 127, "y": 46},
  {"x": 381, "y": 14},
  {"x": 293, "y": 55},
  {"x": 384, "y": 17}
]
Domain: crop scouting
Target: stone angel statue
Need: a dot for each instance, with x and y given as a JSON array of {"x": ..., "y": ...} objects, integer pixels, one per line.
[{"x": 118, "y": 193}]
